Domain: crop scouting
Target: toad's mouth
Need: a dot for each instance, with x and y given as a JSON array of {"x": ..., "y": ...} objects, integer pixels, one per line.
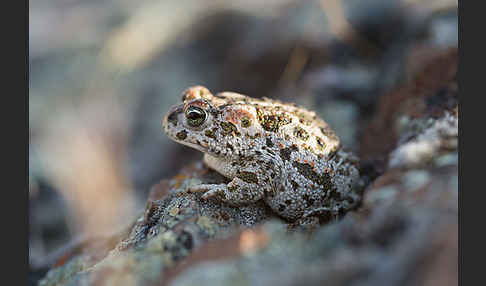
[{"x": 192, "y": 145}]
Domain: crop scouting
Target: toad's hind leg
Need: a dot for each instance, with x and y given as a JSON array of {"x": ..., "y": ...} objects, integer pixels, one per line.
[{"x": 235, "y": 192}]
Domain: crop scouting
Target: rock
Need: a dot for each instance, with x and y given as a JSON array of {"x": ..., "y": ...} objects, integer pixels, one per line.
[
  {"x": 429, "y": 95},
  {"x": 174, "y": 224}
]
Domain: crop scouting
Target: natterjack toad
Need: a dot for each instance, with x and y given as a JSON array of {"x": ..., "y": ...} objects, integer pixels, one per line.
[{"x": 281, "y": 153}]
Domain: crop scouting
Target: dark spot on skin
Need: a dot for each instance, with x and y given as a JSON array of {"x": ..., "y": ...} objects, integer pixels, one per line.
[
  {"x": 295, "y": 185},
  {"x": 288, "y": 202},
  {"x": 269, "y": 142},
  {"x": 320, "y": 143},
  {"x": 307, "y": 171},
  {"x": 181, "y": 135},
  {"x": 234, "y": 163},
  {"x": 305, "y": 122},
  {"x": 258, "y": 152},
  {"x": 229, "y": 146},
  {"x": 281, "y": 208},
  {"x": 285, "y": 152},
  {"x": 245, "y": 122},
  {"x": 308, "y": 200},
  {"x": 300, "y": 133},
  {"x": 248, "y": 177},
  {"x": 210, "y": 134},
  {"x": 229, "y": 128}
]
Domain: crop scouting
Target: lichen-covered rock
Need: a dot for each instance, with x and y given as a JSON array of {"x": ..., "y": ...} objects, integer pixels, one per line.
[
  {"x": 434, "y": 138},
  {"x": 174, "y": 223}
]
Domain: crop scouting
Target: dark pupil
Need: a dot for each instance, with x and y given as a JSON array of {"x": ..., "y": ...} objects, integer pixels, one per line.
[{"x": 195, "y": 116}]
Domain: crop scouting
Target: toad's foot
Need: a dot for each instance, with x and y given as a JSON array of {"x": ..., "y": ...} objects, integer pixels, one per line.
[
  {"x": 209, "y": 190},
  {"x": 236, "y": 192}
]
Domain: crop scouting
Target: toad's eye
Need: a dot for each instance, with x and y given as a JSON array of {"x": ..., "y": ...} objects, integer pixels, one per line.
[{"x": 195, "y": 116}]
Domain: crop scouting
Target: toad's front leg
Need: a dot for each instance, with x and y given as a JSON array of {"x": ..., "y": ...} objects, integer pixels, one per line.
[{"x": 236, "y": 192}]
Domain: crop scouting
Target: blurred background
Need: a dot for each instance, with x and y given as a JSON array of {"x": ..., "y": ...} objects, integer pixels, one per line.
[{"x": 103, "y": 73}]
